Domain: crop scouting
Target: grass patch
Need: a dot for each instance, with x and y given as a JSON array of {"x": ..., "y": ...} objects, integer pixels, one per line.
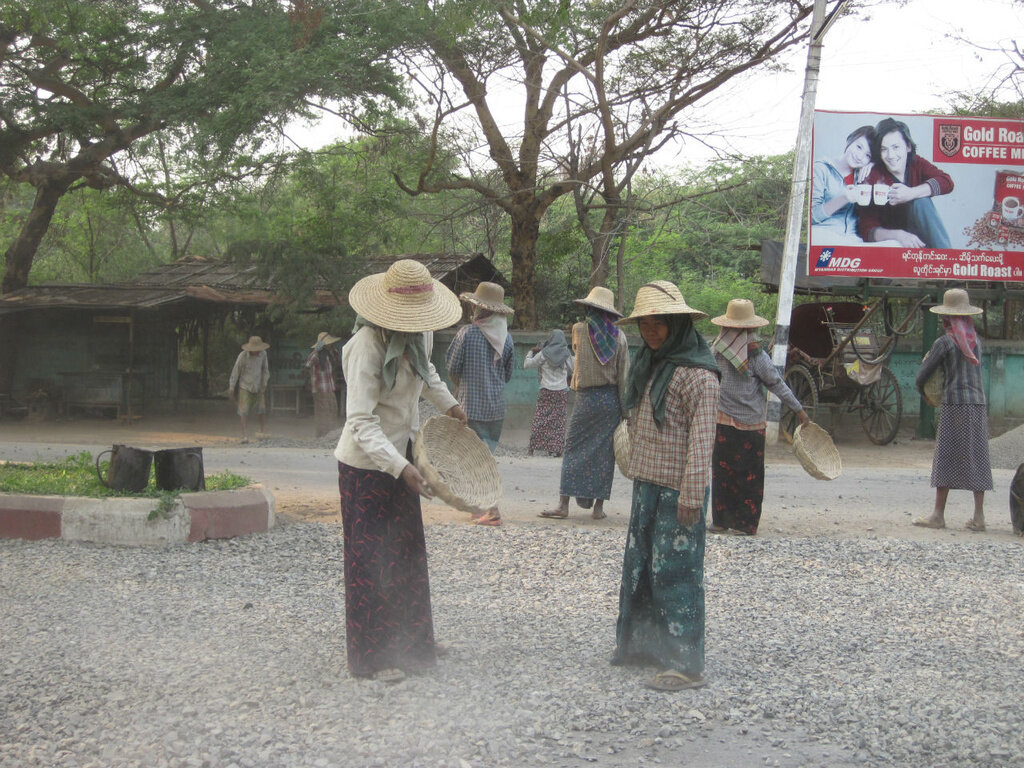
[{"x": 76, "y": 476}]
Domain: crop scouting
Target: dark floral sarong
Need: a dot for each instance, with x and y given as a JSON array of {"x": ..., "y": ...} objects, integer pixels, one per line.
[
  {"x": 737, "y": 478},
  {"x": 548, "y": 430},
  {"x": 661, "y": 600},
  {"x": 388, "y": 619}
]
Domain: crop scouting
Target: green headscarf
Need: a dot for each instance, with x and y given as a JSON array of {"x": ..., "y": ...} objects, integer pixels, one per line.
[
  {"x": 411, "y": 345},
  {"x": 683, "y": 347}
]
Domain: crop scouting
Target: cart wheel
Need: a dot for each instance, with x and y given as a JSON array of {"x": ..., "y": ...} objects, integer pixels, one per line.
[
  {"x": 800, "y": 380},
  {"x": 881, "y": 407}
]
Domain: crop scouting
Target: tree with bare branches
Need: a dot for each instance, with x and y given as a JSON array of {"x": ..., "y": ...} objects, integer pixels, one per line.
[{"x": 618, "y": 75}]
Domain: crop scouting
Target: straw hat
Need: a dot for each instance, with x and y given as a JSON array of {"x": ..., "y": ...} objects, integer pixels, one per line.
[
  {"x": 489, "y": 296},
  {"x": 405, "y": 299},
  {"x": 740, "y": 314},
  {"x": 660, "y": 298},
  {"x": 600, "y": 298},
  {"x": 325, "y": 339},
  {"x": 955, "y": 302},
  {"x": 255, "y": 344}
]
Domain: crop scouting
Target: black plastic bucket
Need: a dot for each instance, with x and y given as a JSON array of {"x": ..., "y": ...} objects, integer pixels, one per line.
[
  {"x": 129, "y": 468},
  {"x": 180, "y": 468}
]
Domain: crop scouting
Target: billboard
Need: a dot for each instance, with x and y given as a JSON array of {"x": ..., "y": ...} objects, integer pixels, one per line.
[{"x": 916, "y": 196}]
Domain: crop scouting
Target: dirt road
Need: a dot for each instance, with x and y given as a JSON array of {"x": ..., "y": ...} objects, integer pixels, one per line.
[{"x": 881, "y": 490}]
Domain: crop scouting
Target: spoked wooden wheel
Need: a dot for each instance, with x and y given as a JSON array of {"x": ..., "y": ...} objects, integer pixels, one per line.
[
  {"x": 801, "y": 381},
  {"x": 881, "y": 407}
]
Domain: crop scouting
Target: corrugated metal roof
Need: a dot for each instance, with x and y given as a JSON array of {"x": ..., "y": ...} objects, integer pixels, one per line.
[{"x": 201, "y": 279}]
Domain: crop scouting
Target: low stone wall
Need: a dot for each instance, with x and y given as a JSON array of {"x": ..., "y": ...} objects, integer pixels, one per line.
[{"x": 193, "y": 517}]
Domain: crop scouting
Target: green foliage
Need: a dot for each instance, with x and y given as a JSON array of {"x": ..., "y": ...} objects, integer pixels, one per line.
[{"x": 76, "y": 476}]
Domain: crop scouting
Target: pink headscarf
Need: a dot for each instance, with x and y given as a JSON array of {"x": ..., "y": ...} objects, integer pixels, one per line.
[{"x": 962, "y": 330}]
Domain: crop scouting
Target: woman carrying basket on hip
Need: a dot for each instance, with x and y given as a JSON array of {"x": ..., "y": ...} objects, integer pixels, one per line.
[{"x": 961, "y": 457}]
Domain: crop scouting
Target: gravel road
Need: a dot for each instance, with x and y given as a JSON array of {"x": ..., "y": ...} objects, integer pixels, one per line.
[
  {"x": 820, "y": 653},
  {"x": 830, "y": 641}
]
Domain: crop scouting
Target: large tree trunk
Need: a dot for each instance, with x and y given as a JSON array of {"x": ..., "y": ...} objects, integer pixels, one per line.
[
  {"x": 18, "y": 261},
  {"x": 525, "y": 229},
  {"x": 19, "y": 256}
]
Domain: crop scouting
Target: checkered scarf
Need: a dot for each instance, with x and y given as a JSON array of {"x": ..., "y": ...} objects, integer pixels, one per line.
[
  {"x": 731, "y": 343},
  {"x": 604, "y": 334}
]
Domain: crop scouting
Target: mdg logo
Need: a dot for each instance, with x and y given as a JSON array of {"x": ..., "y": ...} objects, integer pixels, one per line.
[{"x": 827, "y": 260}]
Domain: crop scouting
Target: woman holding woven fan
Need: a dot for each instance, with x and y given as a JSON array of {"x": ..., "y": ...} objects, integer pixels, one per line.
[
  {"x": 602, "y": 362},
  {"x": 672, "y": 399},
  {"x": 389, "y": 626},
  {"x": 961, "y": 457},
  {"x": 737, "y": 467}
]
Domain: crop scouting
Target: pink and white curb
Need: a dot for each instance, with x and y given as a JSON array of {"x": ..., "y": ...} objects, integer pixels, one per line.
[{"x": 193, "y": 517}]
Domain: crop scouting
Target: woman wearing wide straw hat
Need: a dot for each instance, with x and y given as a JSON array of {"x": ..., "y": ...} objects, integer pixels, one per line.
[
  {"x": 389, "y": 627},
  {"x": 602, "y": 363},
  {"x": 961, "y": 457},
  {"x": 320, "y": 364},
  {"x": 480, "y": 360},
  {"x": 672, "y": 399},
  {"x": 737, "y": 466}
]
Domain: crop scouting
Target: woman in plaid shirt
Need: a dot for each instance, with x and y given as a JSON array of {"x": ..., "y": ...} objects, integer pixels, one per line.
[{"x": 672, "y": 400}]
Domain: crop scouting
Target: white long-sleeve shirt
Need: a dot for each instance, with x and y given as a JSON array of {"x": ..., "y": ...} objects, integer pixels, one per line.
[
  {"x": 552, "y": 377},
  {"x": 379, "y": 424}
]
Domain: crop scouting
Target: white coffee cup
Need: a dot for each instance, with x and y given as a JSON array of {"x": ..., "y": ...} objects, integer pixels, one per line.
[
  {"x": 881, "y": 194},
  {"x": 863, "y": 194},
  {"x": 1011, "y": 208}
]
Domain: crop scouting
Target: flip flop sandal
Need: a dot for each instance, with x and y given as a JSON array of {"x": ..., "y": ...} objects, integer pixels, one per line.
[
  {"x": 487, "y": 520},
  {"x": 924, "y": 522},
  {"x": 555, "y": 514},
  {"x": 717, "y": 529},
  {"x": 671, "y": 680},
  {"x": 976, "y": 527},
  {"x": 599, "y": 515}
]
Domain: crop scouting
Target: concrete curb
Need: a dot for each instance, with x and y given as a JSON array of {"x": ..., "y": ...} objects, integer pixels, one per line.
[{"x": 193, "y": 517}]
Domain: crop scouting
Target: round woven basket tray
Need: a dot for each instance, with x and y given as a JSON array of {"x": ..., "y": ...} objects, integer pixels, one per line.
[
  {"x": 934, "y": 387},
  {"x": 816, "y": 452},
  {"x": 457, "y": 464},
  {"x": 621, "y": 444}
]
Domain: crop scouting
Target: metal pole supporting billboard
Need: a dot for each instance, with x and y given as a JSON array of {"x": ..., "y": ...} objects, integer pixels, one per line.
[{"x": 794, "y": 219}]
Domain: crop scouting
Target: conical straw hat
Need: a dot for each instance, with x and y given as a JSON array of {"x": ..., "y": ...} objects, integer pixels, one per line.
[
  {"x": 406, "y": 299},
  {"x": 659, "y": 298}
]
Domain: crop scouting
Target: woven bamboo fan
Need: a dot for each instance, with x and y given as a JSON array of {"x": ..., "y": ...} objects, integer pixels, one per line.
[
  {"x": 621, "y": 444},
  {"x": 457, "y": 464},
  {"x": 816, "y": 452},
  {"x": 934, "y": 387}
]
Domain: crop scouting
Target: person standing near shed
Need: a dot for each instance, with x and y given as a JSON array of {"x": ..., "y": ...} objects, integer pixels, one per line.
[
  {"x": 320, "y": 365},
  {"x": 554, "y": 363},
  {"x": 961, "y": 457},
  {"x": 251, "y": 374}
]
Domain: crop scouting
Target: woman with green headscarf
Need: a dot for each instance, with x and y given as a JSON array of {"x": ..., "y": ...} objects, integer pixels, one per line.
[{"x": 672, "y": 400}]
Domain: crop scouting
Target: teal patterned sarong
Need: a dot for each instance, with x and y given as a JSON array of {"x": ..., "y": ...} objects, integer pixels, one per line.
[{"x": 661, "y": 600}]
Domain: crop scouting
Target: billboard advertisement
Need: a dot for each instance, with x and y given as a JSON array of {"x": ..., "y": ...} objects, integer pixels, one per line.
[{"x": 916, "y": 196}]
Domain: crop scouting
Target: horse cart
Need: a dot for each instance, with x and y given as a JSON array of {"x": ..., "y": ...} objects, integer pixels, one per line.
[{"x": 836, "y": 362}]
